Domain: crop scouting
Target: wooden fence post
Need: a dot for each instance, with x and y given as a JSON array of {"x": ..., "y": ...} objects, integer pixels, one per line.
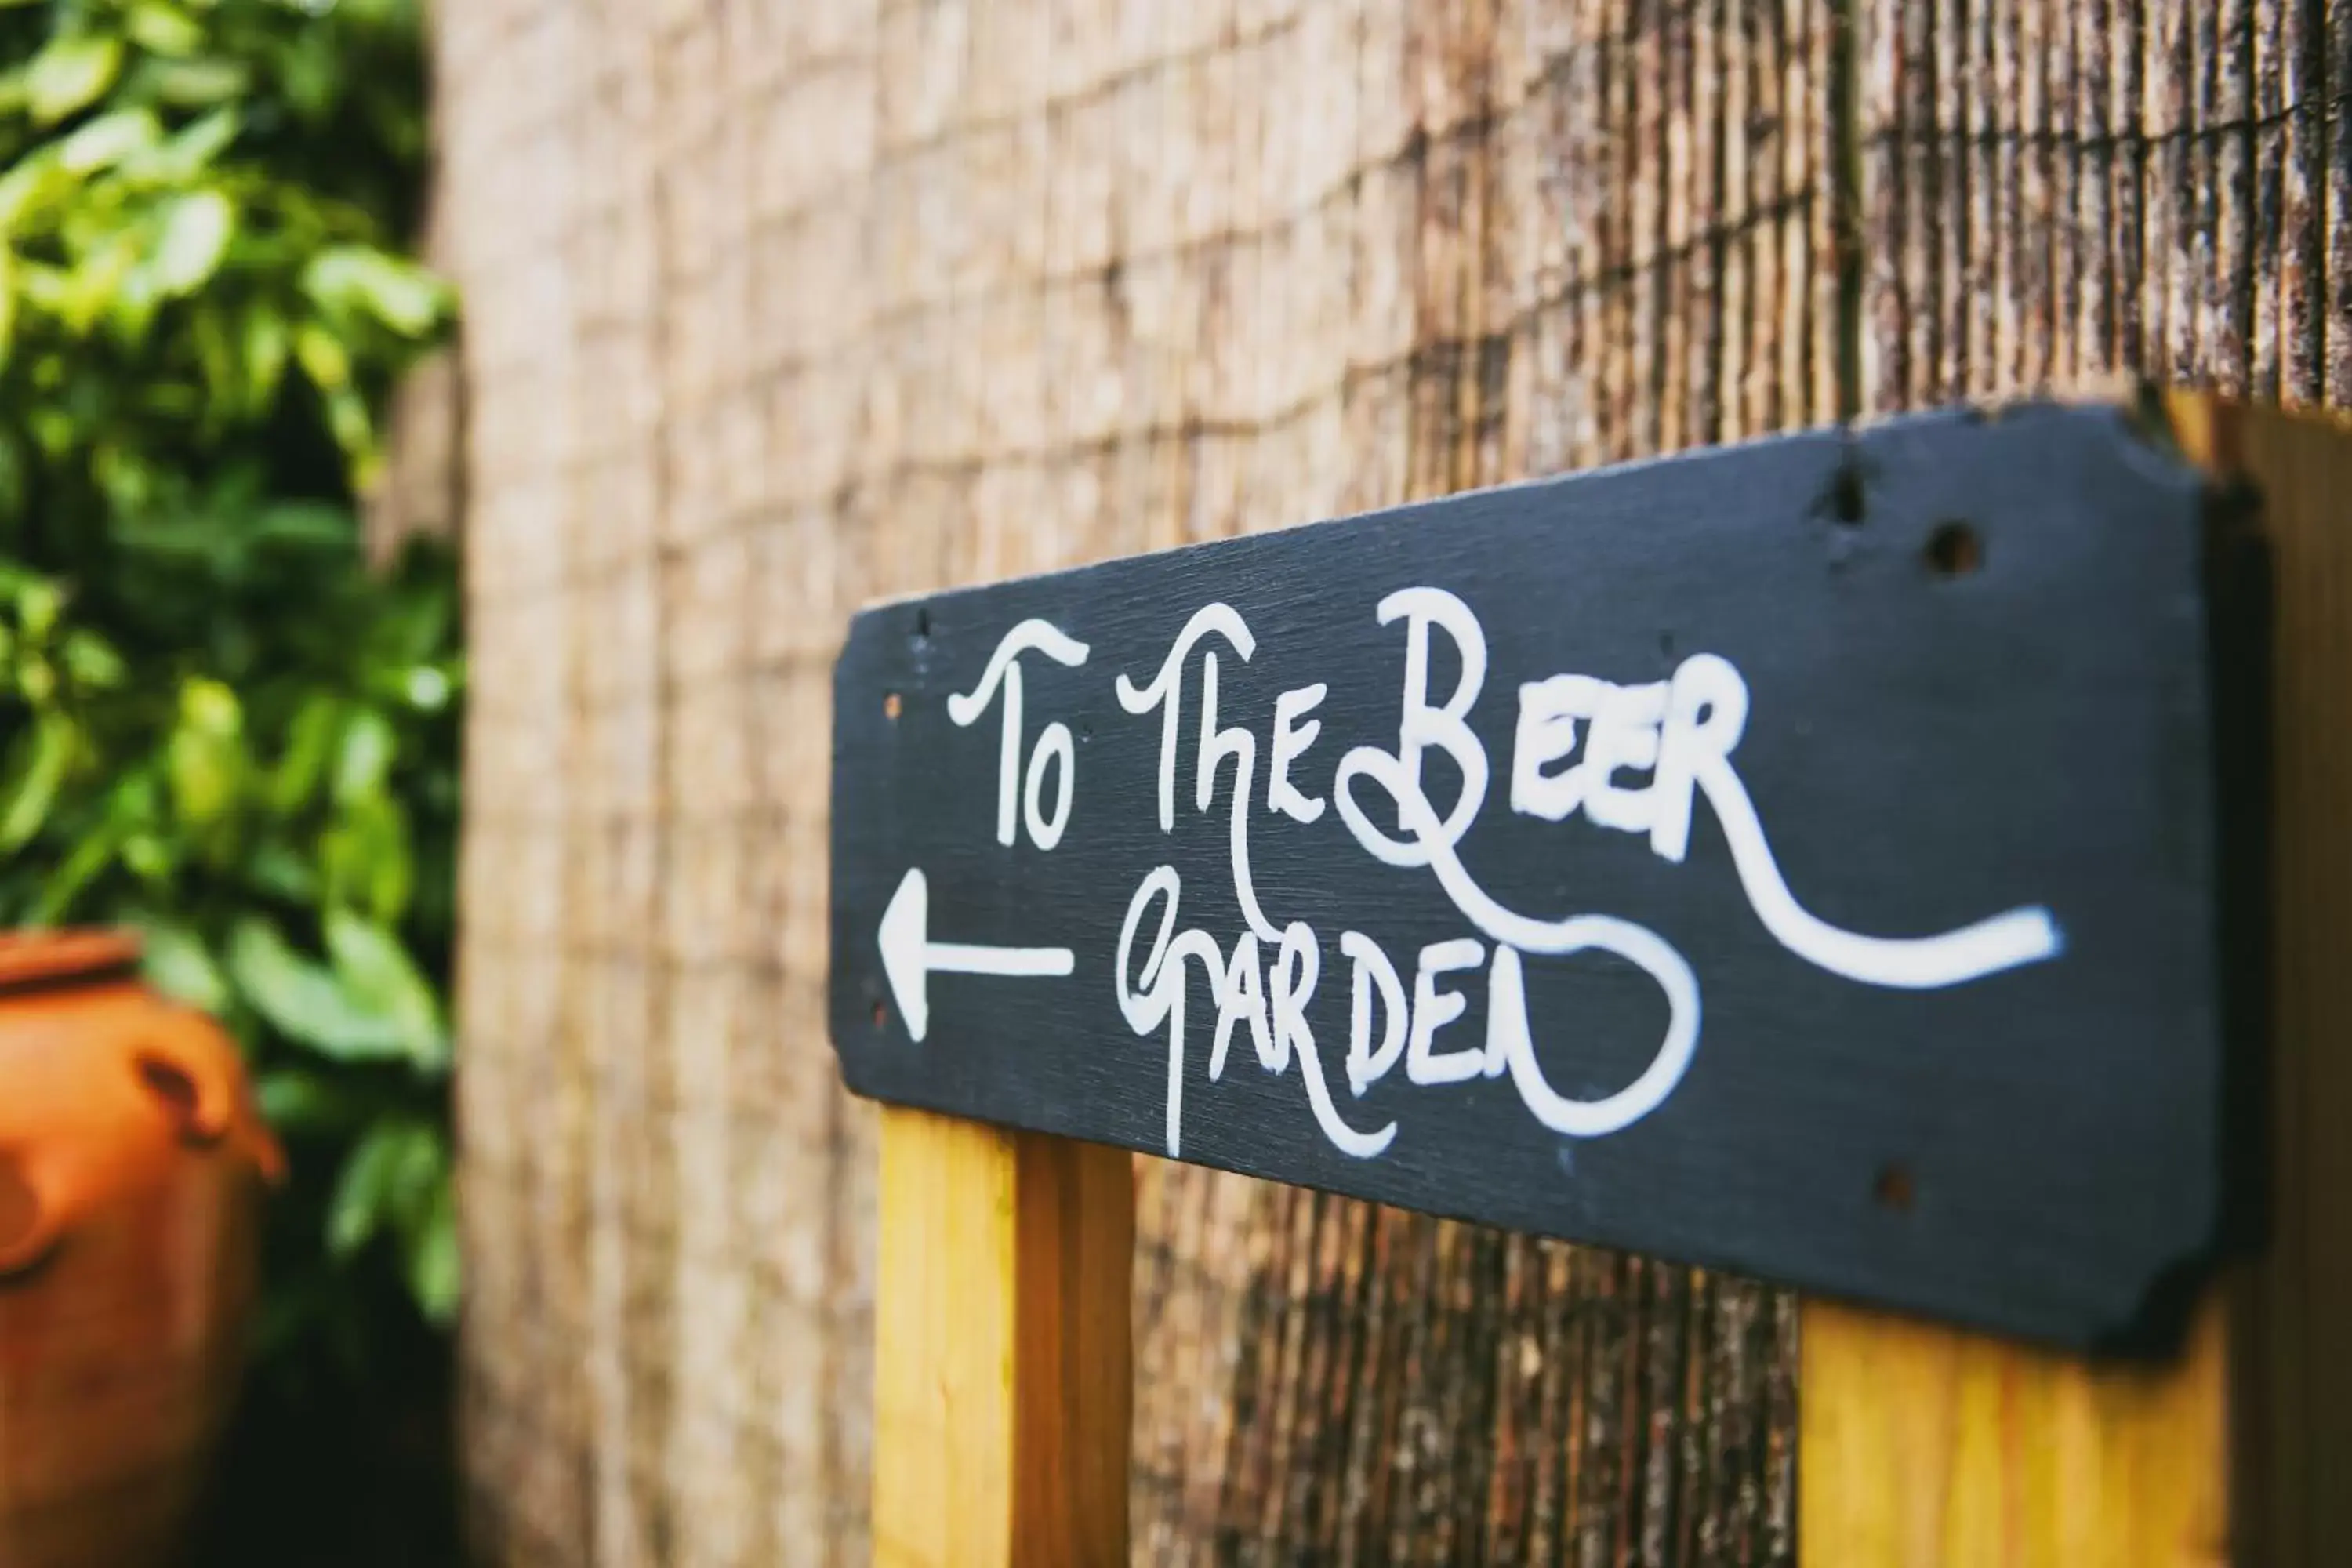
[{"x": 1002, "y": 1376}]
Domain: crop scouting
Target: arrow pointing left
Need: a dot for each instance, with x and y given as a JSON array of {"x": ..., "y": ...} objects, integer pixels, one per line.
[{"x": 909, "y": 955}]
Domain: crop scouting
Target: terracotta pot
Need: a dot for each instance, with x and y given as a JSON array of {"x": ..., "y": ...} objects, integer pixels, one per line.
[{"x": 132, "y": 1163}]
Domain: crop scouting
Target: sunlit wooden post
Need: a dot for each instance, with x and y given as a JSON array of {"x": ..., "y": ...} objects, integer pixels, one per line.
[{"x": 1002, "y": 1375}]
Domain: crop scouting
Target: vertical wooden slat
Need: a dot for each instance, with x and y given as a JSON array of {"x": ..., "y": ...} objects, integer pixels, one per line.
[
  {"x": 1919, "y": 296},
  {"x": 2171, "y": 125},
  {"x": 2301, "y": 237},
  {"x": 2336, "y": 218},
  {"x": 2045, "y": 237},
  {"x": 1974, "y": 130},
  {"x": 1578, "y": 161},
  {"x": 2002, "y": 86},
  {"x": 2133, "y": 256},
  {"x": 2269, "y": 33},
  {"x": 2096, "y": 281},
  {"x": 1671, "y": 377},
  {"x": 2068, "y": 241},
  {"x": 1950, "y": 164},
  {"x": 2228, "y": 172},
  {"x": 1816, "y": 332},
  {"x": 1737, "y": 176},
  {"x": 1705, "y": 88}
]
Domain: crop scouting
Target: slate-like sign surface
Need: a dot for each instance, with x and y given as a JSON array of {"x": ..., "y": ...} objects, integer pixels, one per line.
[{"x": 1805, "y": 859}]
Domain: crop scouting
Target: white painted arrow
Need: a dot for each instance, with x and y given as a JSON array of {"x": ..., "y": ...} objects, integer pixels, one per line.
[{"x": 909, "y": 955}]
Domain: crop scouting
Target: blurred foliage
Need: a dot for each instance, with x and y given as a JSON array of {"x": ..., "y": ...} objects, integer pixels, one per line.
[{"x": 220, "y": 724}]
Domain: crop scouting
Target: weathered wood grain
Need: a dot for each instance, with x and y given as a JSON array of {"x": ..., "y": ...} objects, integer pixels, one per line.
[{"x": 2144, "y": 178}]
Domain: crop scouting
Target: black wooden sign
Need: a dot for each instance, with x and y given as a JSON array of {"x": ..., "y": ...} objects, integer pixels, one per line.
[{"x": 1805, "y": 859}]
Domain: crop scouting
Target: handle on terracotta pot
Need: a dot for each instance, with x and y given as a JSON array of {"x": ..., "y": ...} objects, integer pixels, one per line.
[
  {"x": 28, "y": 1227},
  {"x": 199, "y": 1085},
  {"x": 196, "y": 1096}
]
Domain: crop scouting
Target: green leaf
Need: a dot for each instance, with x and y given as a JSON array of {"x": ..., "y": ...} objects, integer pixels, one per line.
[
  {"x": 274, "y": 868},
  {"x": 148, "y": 856},
  {"x": 193, "y": 238},
  {"x": 379, "y": 976},
  {"x": 38, "y": 601},
  {"x": 164, "y": 29},
  {"x": 265, "y": 355},
  {"x": 299, "y": 1101},
  {"x": 347, "y": 417},
  {"x": 192, "y": 84},
  {"x": 178, "y": 965},
  {"x": 135, "y": 800},
  {"x": 305, "y": 522},
  {"x": 108, "y": 140},
  {"x": 94, "y": 284},
  {"x": 223, "y": 367},
  {"x": 309, "y": 739},
  {"x": 30, "y": 186},
  {"x": 368, "y": 858},
  {"x": 89, "y": 856},
  {"x": 92, "y": 662},
  {"x": 193, "y": 149},
  {"x": 365, "y": 755},
  {"x": 210, "y": 707},
  {"x": 304, "y": 1000},
  {"x": 34, "y": 786},
  {"x": 205, "y": 758},
  {"x": 435, "y": 1269},
  {"x": 68, "y": 73},
  {"x": 400, "y": 294},
  {"x": 323, "y": 357},
  {"x": 397, "y": 1176},
  {"x": 360, "y": 1204},
  {"x": 417, "y": 1176}
]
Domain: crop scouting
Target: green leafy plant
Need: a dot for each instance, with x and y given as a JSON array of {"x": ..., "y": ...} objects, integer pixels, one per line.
[{"x": 220, "y": 724}]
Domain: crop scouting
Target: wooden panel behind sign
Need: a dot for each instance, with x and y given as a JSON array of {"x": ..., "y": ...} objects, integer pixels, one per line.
[{"x": 1805, "y": 859}]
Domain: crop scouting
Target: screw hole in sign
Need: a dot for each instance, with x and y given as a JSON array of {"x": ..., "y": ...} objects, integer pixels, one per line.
[
  {"x": 1894, "y": 1189},
  {"x": 1953, "y": 549},
  {"x": 892, "y": 707},
  {"x": 881, "y": 1016}
]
